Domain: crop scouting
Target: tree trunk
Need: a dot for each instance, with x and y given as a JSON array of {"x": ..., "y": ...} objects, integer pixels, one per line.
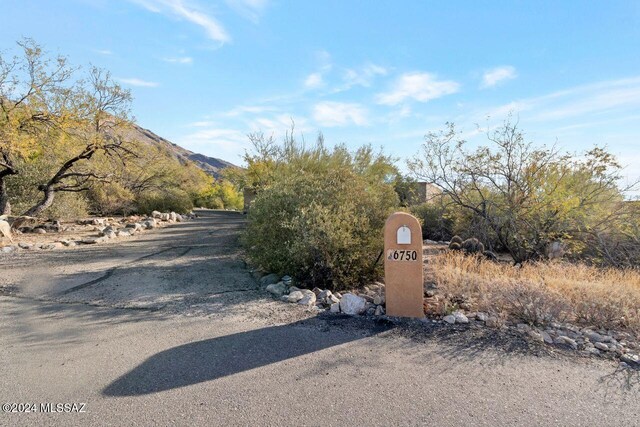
[
  {"x": 46, "y": 201},
  {"x": 5, "y": 206}
]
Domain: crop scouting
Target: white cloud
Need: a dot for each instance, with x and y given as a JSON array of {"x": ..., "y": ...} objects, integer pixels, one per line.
[
  {"x": 492, "y": 77},
  {"x": 363, "y": 76},
  {"x": 313, "y": 80},
  {"x": 179, "y": 60},
  {"x": 133, "y": 81},
  {"x": 331, "y": 114},
  {"x": 103, "y": 51},
  {"x": 422, "y": 87},
  {"x": 597, "y": 99},
  {"x": 216, "y": 142},
  {"x": 250, "y": 9},
  {"x": 250, "y": 109},
  {"x": 180, "y": 9}
]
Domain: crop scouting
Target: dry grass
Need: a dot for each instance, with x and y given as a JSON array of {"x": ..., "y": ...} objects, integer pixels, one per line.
[{"x": 540, "y": 293}]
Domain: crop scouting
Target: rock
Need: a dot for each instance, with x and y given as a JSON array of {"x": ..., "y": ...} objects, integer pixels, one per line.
[
  {"x": 368, "y": 298},
  {"x": 309, "y": 298},
  {"x": 482, "y": 316},
  {"x": 277, "y": 289},
  {"x": 601, "y": 346},
  {"x": 331, "y": 299},
  {"x": 335, "y": 308},
  {"x": 563, "y": 339},
  {"x": 460, "y": 317},
  {"x": 172, "y": 216},
  {"x": 378, "y": 300},
  {"x": 352, "y": 304},
  {"x": 535, "y": 335},
  {"x": 370, "y": 311},
  {"x": 630, "y": 359},
  {"x": 269, "y": 279},
  {"x": 546, "y": 337},
  {"x": 49, "y": 246},
  {"x": 156, "y": 214},
  {"x": 430, "y": 293},
  {"x": 295, "y": 296},
  {"x": 379, "y": 311},
  {"x": 179, "y": 218},
  {"x": 292, "y": 288},
  {"x": 92, "y": 241},
  {"x": 39, "y": 230},
  {"x": 450, "y": 319},
  {"x": 110, "y": 234},
  {"x": 27, "y": 246},
  {"x": 134, "y": 226},
  {"x": 338, "y": 295},
  {"x": 8, "y": 249},
  {"x": 5, "y": 229},
  {"x": 523, "y": 327},
  {"x": 123, "y": 233},
  {"x": 594, "y": 337},
  {"x": 318, "y": 292},
  {"x": 324, "y": 294},
  {"x": 287, "y": 280}
]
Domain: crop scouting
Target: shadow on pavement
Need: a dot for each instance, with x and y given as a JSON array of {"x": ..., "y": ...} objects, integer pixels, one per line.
[{"x": 214, "y": 358}]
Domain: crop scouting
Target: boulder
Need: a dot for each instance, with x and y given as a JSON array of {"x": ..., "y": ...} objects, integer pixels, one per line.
[
  {"x": 8, "y": 249},
  {"x": 164, "y": 217},
  {"x": 179, "y": 218},
  {"x": 156, "y": 214},
  {"x": 460, "y": 317},
  {"x": 277, "y": 289},
  {"x": 5, "y": 230},
  {"x": 123, "y": 233},
  {"x": 39, "y": 230},
  {"x": 352, "y": 304},
  {"x": 335, "y": 308},
  {"x": 150, "y": 224},
  {"x": 172, "y": 216},
  {"x": 308, "y": 299},
  {"x": 295, "y": 296},
  {"x": 450, "y": 319}
]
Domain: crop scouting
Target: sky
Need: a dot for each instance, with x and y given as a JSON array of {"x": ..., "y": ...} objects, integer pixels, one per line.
[{"x": 204, "y": 74}]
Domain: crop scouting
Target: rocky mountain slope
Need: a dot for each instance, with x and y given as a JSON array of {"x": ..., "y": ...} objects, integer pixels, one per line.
[{"x": 211, "y": 165}]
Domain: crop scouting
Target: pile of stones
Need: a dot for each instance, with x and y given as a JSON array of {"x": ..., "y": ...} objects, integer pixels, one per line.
[
  {"x": 588, "y": 341},
  {"x": 106, "y": 228},
  {"x": 367, "y": 301}
]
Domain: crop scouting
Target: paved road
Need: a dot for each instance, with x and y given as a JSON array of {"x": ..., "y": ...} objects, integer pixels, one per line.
[{"x": 170, "y": 329}]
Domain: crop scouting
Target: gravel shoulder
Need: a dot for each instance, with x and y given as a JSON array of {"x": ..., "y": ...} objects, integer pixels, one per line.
[{"x": 179, "y": 334}]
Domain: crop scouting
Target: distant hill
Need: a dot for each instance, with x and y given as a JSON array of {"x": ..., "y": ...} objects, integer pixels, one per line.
[{"x": 211, "y": 165}]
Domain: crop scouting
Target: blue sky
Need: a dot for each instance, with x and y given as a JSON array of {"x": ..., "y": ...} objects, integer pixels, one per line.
[{"x": 206, "y": 73}]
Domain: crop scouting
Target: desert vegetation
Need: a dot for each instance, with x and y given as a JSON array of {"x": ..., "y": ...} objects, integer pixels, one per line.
[
  {"x": 319, "y": 212},
  {"x": 68, "y": 147},
  {"x": 540, "y": 293}
]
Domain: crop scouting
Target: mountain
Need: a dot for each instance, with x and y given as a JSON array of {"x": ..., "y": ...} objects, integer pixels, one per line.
[{"x": 211, "y": 165}]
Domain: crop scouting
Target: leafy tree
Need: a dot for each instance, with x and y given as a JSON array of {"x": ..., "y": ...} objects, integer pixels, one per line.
[
  {"x": 32, "y": 98},
  {"x": 524, "y": 197},
  {"x": 92, "y": 115}
]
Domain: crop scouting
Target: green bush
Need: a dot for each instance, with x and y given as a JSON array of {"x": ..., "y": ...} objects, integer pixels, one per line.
[
  {"x": 173, "y": 200},
  {"x": 437, "y": 223},
  {"x": 321, "y": 217}
]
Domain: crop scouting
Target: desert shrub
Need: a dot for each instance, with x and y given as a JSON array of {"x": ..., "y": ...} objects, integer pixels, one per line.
[
  {"x": 437, "y": 223},
  {"x": 67, "y": 206},
  {"x": 320, "y": 217},
  {"x": 166, "y": 201},
  {"x": 519, "y": 197},
  {"x": 221, "y": 194},
  {"x": 542, "y": 292},
  {"x": 111, "y": 198}
]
